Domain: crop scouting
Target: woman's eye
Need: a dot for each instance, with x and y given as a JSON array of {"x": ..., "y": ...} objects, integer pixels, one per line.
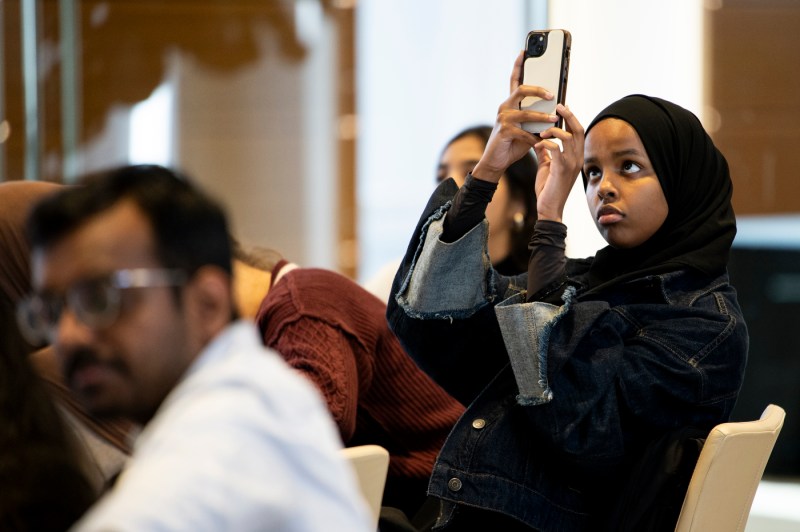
[
  {"x": 630, "y": 167},
  {"x": 592, "y": 173}
]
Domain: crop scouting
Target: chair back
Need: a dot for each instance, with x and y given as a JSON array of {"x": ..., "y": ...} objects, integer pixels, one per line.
[
  {"x": 728, "y": 472},
  {"x": 371, "y": 464}
]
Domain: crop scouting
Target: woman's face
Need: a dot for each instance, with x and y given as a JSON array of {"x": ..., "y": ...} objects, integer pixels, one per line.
[
  {"x": 623, "y": 191},
  {"x": 458, "y": 159}
]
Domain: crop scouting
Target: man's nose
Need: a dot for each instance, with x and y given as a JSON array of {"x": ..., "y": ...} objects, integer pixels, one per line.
[{"x": 69, "y": 330}]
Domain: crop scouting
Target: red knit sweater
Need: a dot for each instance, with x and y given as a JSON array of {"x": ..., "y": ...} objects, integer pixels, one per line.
[{"x": 334, "y": 331}]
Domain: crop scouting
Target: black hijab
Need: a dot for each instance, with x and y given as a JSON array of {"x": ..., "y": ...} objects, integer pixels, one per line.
[{"x": 700, "y": 226}]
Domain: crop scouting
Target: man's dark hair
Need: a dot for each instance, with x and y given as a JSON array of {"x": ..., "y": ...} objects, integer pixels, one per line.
[{"x": 189, "y": 228}]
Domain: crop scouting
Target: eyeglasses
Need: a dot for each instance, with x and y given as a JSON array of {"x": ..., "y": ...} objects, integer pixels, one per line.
[{"x": 96, "y": 302}]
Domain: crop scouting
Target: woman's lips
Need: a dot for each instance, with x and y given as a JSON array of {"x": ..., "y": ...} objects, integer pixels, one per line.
[{"x": 608, "y": 215}]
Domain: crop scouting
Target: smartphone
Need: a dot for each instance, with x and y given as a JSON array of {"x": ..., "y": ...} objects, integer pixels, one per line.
[{"x": 546, "y": 65}]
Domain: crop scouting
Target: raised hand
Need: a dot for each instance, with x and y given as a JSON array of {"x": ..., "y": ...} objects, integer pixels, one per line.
[
  {"x": 559, "y": 166},
  {"x": 509, "y": 142}
]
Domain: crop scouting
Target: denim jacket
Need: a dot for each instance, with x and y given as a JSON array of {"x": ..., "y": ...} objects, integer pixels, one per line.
[{"x": 560, "y": 398}]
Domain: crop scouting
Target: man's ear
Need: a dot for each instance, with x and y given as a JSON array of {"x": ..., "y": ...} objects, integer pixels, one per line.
[{"x": 208, "y": 302}]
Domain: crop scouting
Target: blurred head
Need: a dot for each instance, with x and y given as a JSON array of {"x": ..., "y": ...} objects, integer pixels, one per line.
[
  {"x": 131, "y": 279},
  {"x": 512, "y": 211}
]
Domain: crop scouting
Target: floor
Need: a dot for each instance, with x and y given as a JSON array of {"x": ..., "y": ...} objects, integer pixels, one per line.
[{"x": 776, "y": 507}]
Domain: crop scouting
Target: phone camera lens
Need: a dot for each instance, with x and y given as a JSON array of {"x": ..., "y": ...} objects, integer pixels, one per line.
[{"x": 537, "y": 44}]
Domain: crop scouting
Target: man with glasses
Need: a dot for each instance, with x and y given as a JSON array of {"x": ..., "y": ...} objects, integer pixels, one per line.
[{"x": 131, "y": 276}]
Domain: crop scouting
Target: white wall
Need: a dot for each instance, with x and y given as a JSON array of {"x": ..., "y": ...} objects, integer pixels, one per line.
[
  {"x": 268, "y": 154},
  {"x": 428, "y": 69},
  {"x": 260, "y": 138}
]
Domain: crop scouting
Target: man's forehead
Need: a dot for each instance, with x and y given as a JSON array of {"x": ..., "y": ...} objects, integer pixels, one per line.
[{"x": 119, "y": 237}]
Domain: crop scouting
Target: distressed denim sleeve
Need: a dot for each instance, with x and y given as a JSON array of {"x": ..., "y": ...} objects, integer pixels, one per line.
[
  {"x": 448, "y": 280},
  {"x": 526, "y": 331}
]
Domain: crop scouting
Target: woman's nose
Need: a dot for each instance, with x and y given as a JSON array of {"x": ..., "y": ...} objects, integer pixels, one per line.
[{"x": 606, "y": 190}]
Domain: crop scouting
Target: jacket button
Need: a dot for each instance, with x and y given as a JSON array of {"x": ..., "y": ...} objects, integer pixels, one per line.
[
  {"x": 478, "y": 423},
  {"x": 454, "y": 484}
]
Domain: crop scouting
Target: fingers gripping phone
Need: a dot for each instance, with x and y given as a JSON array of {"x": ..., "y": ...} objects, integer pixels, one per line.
[{"x": 546, "y": 65}]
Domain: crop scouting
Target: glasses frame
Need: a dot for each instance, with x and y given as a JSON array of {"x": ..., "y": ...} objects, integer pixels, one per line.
[{"x": 38, "y": 315}]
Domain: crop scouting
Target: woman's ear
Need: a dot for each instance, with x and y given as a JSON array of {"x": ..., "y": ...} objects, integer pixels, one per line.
[{"x": 208, "y": 302}]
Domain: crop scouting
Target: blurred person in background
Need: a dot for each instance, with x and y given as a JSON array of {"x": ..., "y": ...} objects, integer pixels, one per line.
[{"x": 511, "y": 214}]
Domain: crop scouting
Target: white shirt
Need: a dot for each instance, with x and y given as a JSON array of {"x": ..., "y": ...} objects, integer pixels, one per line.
[{"x": 241, "y": 443}]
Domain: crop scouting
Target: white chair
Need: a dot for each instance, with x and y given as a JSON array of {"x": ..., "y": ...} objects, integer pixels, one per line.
[
  {"x": 370, "y": 463},
  {"x": 727, "y": 473}
]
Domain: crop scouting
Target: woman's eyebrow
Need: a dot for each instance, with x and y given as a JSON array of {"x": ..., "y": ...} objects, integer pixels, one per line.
[{"x": 615, "y": 155}]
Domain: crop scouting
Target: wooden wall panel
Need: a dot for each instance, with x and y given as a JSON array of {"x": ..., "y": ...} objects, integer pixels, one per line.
[
  {"x": 753, "y": 80},
  {"x": 256, "y": 59}
]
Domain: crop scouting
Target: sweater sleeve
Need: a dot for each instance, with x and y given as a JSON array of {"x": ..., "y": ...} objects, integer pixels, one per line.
[
  {"x": 469, "y": 208},
  {"x": 547, "y": 263},
  {"x": 322, "y": 353}
]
